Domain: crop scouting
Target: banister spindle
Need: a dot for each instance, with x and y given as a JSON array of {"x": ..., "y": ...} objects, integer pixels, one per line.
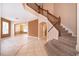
[
  {"x": 38, "y": 9},
  {"x": 47, "y": 13}
]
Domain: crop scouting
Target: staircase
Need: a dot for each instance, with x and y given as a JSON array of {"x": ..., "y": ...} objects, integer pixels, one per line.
[
  {"x": 66, "y": 44},
  {"x": 55, "y": 21}
]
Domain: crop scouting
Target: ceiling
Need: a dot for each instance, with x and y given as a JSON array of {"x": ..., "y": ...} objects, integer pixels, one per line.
[{"x": 15, "y": 12}]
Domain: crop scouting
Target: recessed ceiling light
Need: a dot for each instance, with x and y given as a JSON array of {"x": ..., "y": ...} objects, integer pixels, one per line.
[{"x": 16, "y": 18}]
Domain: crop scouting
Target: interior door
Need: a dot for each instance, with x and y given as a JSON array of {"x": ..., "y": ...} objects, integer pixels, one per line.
[
  {"x": 5, "y": 28},
  {"x": 33, "y": 28}
]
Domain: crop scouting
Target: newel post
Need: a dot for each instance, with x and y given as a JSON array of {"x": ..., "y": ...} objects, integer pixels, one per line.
[
  {"x": 38, "y": 9},
  {"x": 59, "y": 20}
]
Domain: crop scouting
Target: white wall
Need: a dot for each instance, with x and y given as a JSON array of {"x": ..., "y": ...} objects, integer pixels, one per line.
[
  {"x": 12, "y": 29},
  {"x": 68, "y": 14},
  {"x": 53, "y": 34},
  {"x": 77, "y": 47},
  {"x": 15, "y": 12}
]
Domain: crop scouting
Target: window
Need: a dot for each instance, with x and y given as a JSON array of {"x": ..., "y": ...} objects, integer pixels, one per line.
[{"x": 5, "y": 28}]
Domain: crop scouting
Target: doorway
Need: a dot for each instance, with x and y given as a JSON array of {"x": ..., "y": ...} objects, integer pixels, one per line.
[{"x": 43, "y": 30}]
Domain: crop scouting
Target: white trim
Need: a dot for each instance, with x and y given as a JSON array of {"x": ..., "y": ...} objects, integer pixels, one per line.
[
  {"x": 68, "y": 30},
  {"x": 77, "y": 47}
]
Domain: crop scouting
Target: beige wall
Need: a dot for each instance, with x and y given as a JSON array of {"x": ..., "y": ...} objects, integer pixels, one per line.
[
  {"x": 49, "y": 6},
  {"x": 68, "y": 14},
  {"x": 33, "y": 28}
]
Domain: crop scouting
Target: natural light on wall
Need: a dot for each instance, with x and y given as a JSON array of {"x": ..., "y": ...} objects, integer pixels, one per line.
[
  {"x": 25, "y": 28},
  {"x": 17, "y": 28},
  {"x": 21, "y": 28}
]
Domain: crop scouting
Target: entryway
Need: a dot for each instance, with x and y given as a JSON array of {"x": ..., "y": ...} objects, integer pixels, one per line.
[{"x": 43, "y": 30}]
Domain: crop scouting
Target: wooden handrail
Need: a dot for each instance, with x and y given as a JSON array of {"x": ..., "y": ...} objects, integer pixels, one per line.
[
  {"x": 52, "y": 15},
  {"x": 47, "y": 11},
  {"x": 36, "y": 4},
  {"x": 40, "y": 7},
  {"x": 43, "y": 9}
]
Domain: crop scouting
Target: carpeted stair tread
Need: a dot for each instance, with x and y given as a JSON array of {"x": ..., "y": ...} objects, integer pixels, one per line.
[{"x": 63, "y": 47}]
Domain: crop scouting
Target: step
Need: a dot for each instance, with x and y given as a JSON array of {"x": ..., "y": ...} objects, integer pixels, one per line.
[
  {"x": 68, "y": 40},
  {"x": 73, "y": 45},
  {"x": 51, "y": 51},
  {"x": 62, "y": 27},
  {"x": 65, "y": 31},
  {"x": 64, "y": 48},
  {"x": 54, "y": 51},
  {"x": 71, "y": 38},
  {"x": 66, "y": 34}
]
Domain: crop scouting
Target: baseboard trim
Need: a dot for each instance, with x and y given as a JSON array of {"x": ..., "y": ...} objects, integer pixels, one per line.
[{"x": 69, "y": 30}]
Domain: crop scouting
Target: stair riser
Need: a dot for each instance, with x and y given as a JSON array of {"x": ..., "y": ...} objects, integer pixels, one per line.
[
  {"x": 62, "y": 30},
  {"x": 69, "y": 38},
  {"x": 64, "y": 34},
  {"x": 68, "y": 43}
]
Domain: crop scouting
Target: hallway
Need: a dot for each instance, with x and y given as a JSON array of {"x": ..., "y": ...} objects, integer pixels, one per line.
[{"x": 22, "y": 45}]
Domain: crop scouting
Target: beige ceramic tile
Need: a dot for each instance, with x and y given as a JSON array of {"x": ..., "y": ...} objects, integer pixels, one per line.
[{"x": 22, "y": 45}]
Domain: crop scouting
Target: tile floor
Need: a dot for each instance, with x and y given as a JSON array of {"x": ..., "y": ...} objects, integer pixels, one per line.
[{"x": 23, "y": 45}]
